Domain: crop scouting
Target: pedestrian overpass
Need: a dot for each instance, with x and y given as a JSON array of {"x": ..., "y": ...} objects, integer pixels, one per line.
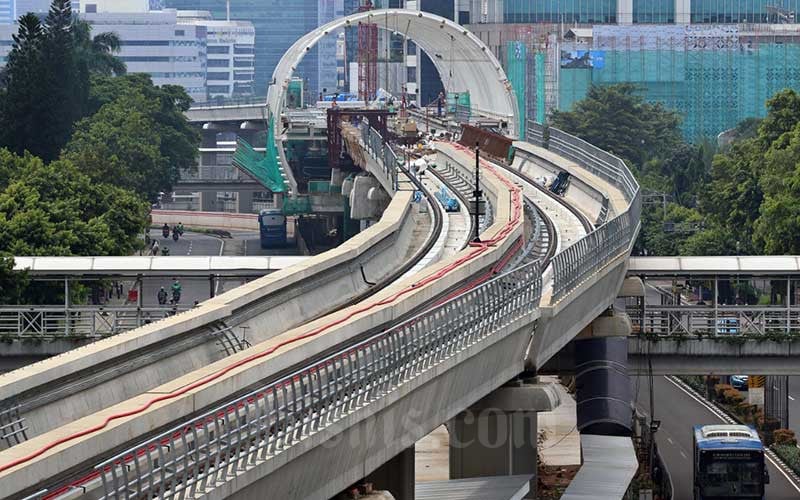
[{"x": 324, "y": 391}]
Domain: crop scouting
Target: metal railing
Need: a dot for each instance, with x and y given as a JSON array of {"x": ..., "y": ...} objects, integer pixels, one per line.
[
  {"x": 680, "y": 320},
  {"x": 40, "y": 322},
  {"x": 576, "y": 263},
  {"x": 211, "y": 448},
  {"x": 210, "y": 172},
  {"x": 380, "y": 151}
]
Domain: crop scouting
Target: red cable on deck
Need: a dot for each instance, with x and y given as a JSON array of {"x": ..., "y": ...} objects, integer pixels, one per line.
[{"x": 477, "y": 248}]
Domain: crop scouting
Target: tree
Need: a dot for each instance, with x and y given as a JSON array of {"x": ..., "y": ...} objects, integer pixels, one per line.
[
  {"x": 20, "y": 108},
  {"x": 12, "y": 284},
  {"x": 777, "y": 230},
  {"x": 616, "y": 119},
  {"x": 166, "y": 107},
  {"x": 121, "y": 142},
  {"x": 46, "y": 91},
  {"x": 66, "y": 85},
  {"x": 96, "y": 54},
  {"x": 54, "y": 209}
]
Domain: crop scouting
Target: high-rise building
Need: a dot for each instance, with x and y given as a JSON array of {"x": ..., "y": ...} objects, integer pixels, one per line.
[
  {"x": 230, "y": 50},
  {"x": 278, "y": 24},
  {"x": 8, "y": 12},
  {"x": 714, "y": 61},
  {"x": 155, "y": 42}
]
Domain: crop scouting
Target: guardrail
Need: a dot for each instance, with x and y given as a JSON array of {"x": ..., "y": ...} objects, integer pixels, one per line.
[
  {"x": 42, "y": 322},
  {"x": 594, "y": 251},
  {"x": 725, "y": 321},
  {"x": 205, "y": 451},
  {"x": 380, "y": 151}
]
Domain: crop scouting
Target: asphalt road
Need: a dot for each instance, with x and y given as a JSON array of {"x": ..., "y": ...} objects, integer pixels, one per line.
[
  {"x": 194, "y": 289},
  {"x": 678, "y": 412}
]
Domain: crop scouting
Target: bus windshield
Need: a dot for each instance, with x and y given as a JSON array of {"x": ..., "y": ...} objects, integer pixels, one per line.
[{"x": 731, "y": 478}]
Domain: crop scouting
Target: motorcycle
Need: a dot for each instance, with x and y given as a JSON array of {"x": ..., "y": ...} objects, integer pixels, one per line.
[{"x": 175, "y": 235}]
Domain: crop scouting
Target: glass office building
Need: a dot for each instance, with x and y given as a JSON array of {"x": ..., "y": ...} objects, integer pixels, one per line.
[
  {"x": 648, "y": 11},
  {"x": 278, "y": 24},
  {"x": 7, "y": 11},
  {"x": 560, "y": 11},
  {"x": 714, "y": 75},
  {"x": 744, "y": 11}
]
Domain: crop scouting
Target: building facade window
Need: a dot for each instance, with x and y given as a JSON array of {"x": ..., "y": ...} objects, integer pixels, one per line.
[
  {"x": 212, "y": 75},
  {"x": 219, "y": 49},
  {"x": 560, "y": 11},
  {"x": 219, "y": 63},
  {"x": 219, "y": 89},
  {"x": 653, "y": 11},
  {"x": 744, "y": 11}
]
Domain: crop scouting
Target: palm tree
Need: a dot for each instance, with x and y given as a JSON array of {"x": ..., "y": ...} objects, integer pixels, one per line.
[{"x": 97, "y": 53}]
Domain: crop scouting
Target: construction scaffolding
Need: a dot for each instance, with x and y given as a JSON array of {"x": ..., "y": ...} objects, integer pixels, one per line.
[{"x": 367, "y": 57}]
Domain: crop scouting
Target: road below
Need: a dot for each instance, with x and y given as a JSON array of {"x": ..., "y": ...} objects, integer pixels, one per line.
[{"x": 679, "y": 412}]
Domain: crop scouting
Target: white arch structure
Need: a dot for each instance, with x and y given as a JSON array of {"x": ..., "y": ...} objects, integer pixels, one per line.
[{"x": 463, "y": 61}]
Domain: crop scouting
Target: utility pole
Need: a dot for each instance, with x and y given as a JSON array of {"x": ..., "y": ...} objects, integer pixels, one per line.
[{"x": 477, "y": 193}]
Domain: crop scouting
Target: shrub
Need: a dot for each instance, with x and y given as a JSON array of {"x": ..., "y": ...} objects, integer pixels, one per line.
[
  {"x": 785, "y": 436},
  {"x": 719, "y": 389},
  {"x": 732, "y": 397},
  {"x": 790, "y": 454}
]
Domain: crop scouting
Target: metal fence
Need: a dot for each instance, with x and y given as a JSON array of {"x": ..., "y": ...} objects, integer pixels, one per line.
[
  {"x": 380, "y": 151},
  {"x": 210, "y": 172},
  {"x": 42, "y": 322},
  {"x": 594, "y": 251},
  {"x": 209, "y": 449}
]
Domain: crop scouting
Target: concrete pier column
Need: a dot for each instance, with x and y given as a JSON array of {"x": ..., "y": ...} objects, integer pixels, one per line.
[
  {"x": 604, "y": 393},
  {"x": 498, "y": 435},
  {"x": 245, "y": 202},
  {"x": 208, "y": 201},
  {"x": 396, "y": 476}
]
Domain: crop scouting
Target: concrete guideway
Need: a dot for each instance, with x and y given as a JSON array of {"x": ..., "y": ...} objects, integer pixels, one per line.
[
  {"x": 480, "y": 258},
  {"x": 192, "y": 340},
  {"x": 578, "y": 308},
  {"x": 471, "y": 66}
]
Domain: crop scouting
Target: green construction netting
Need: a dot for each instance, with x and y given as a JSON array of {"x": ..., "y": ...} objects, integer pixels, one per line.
[
  {"x": 516, "y": 66},
  {"x": 297, "y": 206},
  {"x": 263, "y": 168}
]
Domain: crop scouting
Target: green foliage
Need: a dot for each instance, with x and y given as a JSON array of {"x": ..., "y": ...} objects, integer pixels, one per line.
[
  {"x": 12, "y": 285},
  {"x": 163, "y": 107},
  {"x": 616, "y": 119},
  {"x": 121, "y": 142},
  {"x": 54, "y": 209},
  {"x": 46, "y": 80},
  {"x": 96, "y": 54},
  {"x": 789, "y": 454}
]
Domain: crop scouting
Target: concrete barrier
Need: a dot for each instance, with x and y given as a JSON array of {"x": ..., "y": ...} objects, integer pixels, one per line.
[
  {"x": 343, "y": 326},
  {"x": 209, "y": 220}
]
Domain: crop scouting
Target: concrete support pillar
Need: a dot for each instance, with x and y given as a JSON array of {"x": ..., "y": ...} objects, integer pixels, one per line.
[
  {"x": 396, "y": 476},
  {"x": 208, "y": 201},
  {"x": 624, "y": 11},
  {"x": 604, "y": 392},
  {"x": 683, "y": 11},
  {"x": 244, "y": 202},
  {"x": 498, "y": 435}
]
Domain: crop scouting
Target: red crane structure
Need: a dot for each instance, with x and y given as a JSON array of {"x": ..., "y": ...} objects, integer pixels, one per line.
[{"x": 367, "y": 57}]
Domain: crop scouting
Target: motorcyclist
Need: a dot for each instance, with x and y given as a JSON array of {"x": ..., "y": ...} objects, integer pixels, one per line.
[
  {"x": 175, "y": 234},
  {"x": 162, "y": 296},
  {"x": 154, "y": 248},
  {"x": 176, "y": 291},
  {"x": 180, "y": 228},
  {"x": 165, "y": 250},
  {"x": 165, "y": 230}
]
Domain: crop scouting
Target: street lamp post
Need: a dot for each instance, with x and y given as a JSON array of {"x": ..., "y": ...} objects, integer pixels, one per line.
[{"x": 477, "y": 193}]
